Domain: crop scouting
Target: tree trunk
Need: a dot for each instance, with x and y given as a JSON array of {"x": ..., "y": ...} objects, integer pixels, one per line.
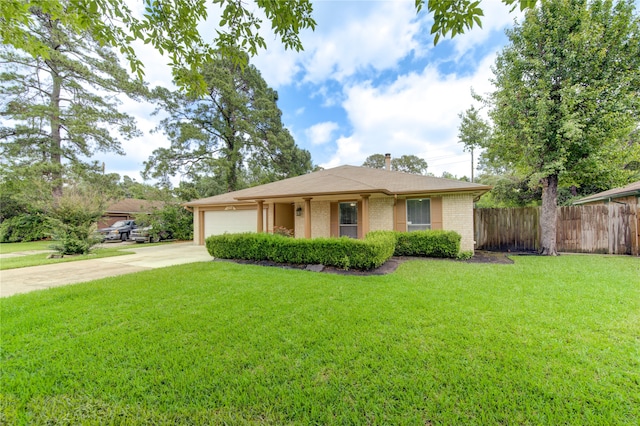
[
  {"x": 471, "y": 164},
  {"x": 548, "y": 216},
  {"x": 55, "y": 154},
  {"x": 56, "y": 138}
]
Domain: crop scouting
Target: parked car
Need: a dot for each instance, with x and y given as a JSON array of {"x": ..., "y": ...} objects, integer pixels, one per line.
[
  {"x": 144, "y": 235},
  {"x": 121, "y": 230}
]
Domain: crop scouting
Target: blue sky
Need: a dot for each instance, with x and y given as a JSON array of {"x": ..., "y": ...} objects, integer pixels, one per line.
[{"x": 369, "y": 81}]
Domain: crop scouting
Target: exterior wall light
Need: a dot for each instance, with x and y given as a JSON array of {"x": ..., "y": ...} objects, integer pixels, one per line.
[{"x": 299, "y": 211}]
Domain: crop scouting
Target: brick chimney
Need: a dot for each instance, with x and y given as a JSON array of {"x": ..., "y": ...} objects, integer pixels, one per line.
[{"x": 387, "y": 161}]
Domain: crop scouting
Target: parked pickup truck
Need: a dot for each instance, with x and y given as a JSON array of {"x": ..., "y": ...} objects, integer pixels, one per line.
[
  {"x": 144, "y": 235},
  {"x": 121, "y": 230}
]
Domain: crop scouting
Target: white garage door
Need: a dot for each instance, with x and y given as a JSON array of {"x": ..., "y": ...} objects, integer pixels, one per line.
[{"x": 230, "y": 221}]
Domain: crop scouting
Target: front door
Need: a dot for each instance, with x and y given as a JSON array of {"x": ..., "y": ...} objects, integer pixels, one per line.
[{"x": 349, "y": 219}]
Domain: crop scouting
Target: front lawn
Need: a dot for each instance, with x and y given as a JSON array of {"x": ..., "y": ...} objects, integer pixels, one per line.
[{"x": 542, "y": 341}]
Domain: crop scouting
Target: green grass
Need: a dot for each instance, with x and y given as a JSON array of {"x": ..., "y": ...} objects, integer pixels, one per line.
[
  {"x": 27, "y": 246},
  {"x": 542, "y": 341},
  {"x": 41, "y": 258}
]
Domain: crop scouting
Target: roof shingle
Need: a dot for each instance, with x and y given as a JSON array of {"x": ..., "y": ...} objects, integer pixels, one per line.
[
  {"x": 345, "y": 180},
  {"x": 134, "y": 205}
]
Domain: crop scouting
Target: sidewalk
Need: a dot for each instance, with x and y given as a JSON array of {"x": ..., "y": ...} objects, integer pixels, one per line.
[{"x": 23, "y": 280}]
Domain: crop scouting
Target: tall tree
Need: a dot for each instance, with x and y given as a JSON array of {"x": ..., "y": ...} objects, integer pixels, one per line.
[
  {"x": 61, "y": 108},
  {"x": 406, "y": 163},
  {"x": 473, "y": 132},
  {"x": 567, "y": 98},
  {"x": 375, "y": 161},
  {"x": 409, "y": 164},
  {"x": 232, "y": 131},
  {"x": 172, "y": 26}
]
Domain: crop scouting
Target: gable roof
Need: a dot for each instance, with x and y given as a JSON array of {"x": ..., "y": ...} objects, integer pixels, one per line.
[
  {"x": 134, "y": 205},
  {"x": 345, "y": 180},
  {"x": 631, "y": 189}
]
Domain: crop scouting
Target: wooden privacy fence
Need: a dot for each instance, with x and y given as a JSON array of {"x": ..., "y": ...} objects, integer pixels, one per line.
[{"x": 611, "y": 228}]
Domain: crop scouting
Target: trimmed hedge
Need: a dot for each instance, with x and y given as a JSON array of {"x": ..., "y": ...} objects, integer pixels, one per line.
[
  {"x": 344, "y": 252},
  {"x": 430, "y": 243}
]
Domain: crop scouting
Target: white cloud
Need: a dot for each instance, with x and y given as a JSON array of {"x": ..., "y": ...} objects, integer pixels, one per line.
[
  {"x": 351, "y": 37},
  {"x": 321, "y": 133},
  {"x": 347, "y": 147},
  {"x": 277, "y": 65},
  {"x": 377, "y": 39},
  {"x": 140, "y": 148},
  {"x": 415, "y": 114}
]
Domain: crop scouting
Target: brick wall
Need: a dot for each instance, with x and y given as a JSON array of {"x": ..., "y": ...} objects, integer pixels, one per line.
[
  {"x": 381, "y": 214},
  {"x": 196, "y": 226},
  {"x": 457, "y": 215},
  {"x": 270, "y": 218},
  {"x": 320, "y": 217},
  {"x": 299, "y": 221}
]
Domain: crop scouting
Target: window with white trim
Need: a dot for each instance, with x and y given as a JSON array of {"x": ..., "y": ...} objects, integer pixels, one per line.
[
  {"x": 349, "y": 220},
  {"x": 418, "y": 214}
]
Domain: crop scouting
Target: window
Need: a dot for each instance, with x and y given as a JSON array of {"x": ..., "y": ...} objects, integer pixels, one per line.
[
  {"x": 418, "y": 214},
  {"x": 349, "y": 219}
]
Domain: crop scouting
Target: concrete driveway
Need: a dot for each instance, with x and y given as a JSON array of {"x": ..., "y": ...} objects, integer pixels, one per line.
[{"x": 23, "y": 280}]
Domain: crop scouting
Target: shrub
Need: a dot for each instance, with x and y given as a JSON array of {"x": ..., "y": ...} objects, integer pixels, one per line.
[
  {"x": 24, "y": 227},
  {"x": 281, "y": 230},
  {"x": 465, "y": 255},
  {"x": 73, "y": 238},
  {"x": 72, "y": 219},
  {"x": 172, "y": 219},
  {"x": 346, "y": 253},
  {"x": 340, "y": 252},
  {"x": 430, "y": 243}
]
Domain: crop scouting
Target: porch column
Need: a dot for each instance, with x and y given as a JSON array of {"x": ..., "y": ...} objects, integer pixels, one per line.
[
  {"x": 365, "y": 214},
  {"x": 260, "y": 224},
  {"x": 307, "y": 217},
  {"x": 200, "y": 226}
]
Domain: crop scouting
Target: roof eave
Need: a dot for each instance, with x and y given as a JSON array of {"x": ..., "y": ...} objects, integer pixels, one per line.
[
  {"x": 315, "y": 194},
  {"x": 608, "y": 197},
  {"x": 219, "y": 203},
  {"x": 477, "y": 191}
]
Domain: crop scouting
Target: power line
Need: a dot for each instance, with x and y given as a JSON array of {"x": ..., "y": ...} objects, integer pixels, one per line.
[
  {"x": 446, "y": 164},
  {"x": 442, "y": 157}
]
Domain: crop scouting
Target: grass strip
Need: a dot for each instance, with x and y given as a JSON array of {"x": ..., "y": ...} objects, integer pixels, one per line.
[
  {"x": 42, "y": 258},
  {"x": 26, "y": 246}
]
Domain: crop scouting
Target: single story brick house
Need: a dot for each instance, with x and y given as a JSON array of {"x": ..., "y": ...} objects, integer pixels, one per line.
[{"x": 342, "y": 201}]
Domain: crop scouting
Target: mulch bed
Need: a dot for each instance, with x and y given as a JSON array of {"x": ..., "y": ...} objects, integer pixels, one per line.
[{"x": 388, "y": 267}]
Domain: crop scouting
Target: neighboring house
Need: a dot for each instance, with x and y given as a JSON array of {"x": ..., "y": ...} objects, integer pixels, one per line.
[
  {"x": 343, "y": 201},
  {"x": 629, "y": 194},
  {"x": 127, "y": 209},
  {"x": 627, "y": 230}
]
